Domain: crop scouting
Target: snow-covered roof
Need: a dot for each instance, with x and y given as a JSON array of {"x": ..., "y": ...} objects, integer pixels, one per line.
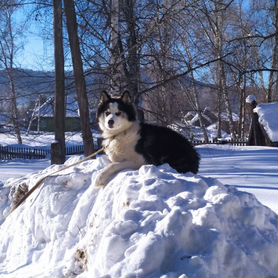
[
  {"x": 268, "y": 118},
  {"x": 196, "y": 118},
  {"x": 46, "y": 109},
  {"x": 152, "y": 222},
  {"x": 250, "y": 99},
  {"x": 224, "y": 117}
]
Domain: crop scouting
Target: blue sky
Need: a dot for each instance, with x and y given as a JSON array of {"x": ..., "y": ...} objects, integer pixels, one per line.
[
  {"x": 37, "y": 52},
  {"x": 32, "y": 55}
]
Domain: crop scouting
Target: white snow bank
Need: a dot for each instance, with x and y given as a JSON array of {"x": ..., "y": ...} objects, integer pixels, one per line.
[
  {"x": 152, "y": 222},
  {"x": 268, "y": 118}
]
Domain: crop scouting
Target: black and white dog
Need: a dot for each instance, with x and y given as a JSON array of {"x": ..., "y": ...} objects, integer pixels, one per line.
[{"x": 130, "y": 144}]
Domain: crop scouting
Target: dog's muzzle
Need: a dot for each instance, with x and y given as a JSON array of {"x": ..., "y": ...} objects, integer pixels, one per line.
[{"x": 110, "y": 123}]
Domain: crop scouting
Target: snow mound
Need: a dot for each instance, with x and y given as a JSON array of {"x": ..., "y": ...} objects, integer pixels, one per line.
[{"x": 153, "y": 222}]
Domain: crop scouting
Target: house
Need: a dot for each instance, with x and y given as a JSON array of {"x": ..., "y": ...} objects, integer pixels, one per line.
[
  {"x": 209, "y": 118},
  {"x": 42, "y": 118},
  {"x": 5, "y": 122},
  {"x": 264, "y": 124}
]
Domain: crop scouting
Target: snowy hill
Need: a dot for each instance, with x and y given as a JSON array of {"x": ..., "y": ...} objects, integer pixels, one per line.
[{"x": 152, "y": 222}]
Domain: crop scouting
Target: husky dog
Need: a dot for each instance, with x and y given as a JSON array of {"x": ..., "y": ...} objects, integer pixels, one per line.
[{"x": 130, "y": 144}]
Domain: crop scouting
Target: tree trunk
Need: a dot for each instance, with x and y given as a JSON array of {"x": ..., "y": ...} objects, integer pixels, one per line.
[
  {"x": 133, "y": 60},
  {"x": 272, "y": 92},
  {"x": 79, "y": 76},
  {"x": 196, "y": 101},
  {"x": 219, "y": 111},
  {"x": 226, "y": 100},
  {"x": 242, "y": 90},
  {"x": 15, "y": 115},
  {"x": 59, "y": 156},
  {"x": 115, "y": 73},
  {"x": 219, "y": 40}
]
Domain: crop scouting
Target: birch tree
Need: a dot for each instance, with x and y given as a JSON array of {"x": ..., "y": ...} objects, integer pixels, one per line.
[{"x": 9, "y": 35}]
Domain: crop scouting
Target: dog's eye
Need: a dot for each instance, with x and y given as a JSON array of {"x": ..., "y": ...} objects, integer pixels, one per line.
[
  {"x": 118, "y": 113},
  {"x": 107, "y": 113}
]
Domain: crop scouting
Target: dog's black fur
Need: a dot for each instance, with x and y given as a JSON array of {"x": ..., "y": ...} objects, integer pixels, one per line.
[{"x": 160, "y": 145}]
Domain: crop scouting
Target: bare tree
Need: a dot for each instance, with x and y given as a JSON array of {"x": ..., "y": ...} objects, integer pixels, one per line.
[
  {"x": 116, "y": 68},
  {"x": 80, "y": 84},
  {"x": 8, "y": 50},
  {"x": 218, "y": 25}
]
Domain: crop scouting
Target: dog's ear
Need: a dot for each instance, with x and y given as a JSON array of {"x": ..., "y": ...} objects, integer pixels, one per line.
[
  {"x": 126, "y": 98},
  {"x": 104, "y": 97}
]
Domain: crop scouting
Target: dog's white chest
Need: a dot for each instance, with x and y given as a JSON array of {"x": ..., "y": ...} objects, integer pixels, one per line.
[
  {"x": 116, "y": 151},
  {"x": 122, "y": 148}
]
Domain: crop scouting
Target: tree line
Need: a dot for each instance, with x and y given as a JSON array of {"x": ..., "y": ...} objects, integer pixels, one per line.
[{"x": 149, "y": 47}]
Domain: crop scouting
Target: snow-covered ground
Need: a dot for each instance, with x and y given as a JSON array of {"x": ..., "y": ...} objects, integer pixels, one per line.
[
  {"x": 252, "y": 169},
  {"x": 152, "y": 222},
  {"x": 39, "y": 139}
]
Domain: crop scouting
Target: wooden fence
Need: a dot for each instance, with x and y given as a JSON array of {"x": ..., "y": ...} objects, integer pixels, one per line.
[
  {"x": 234, "y": 142},
  {"x": 11, "y": 152}
]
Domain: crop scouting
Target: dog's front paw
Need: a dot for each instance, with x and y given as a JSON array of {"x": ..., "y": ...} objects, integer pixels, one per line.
[{"x": 101, "y": 180}]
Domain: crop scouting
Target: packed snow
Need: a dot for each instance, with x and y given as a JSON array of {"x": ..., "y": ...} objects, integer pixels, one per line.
[
  {"x": 153, "y": 222},
  {"x": 249, "y": 168},
  {"x": 268, "y": 118}
]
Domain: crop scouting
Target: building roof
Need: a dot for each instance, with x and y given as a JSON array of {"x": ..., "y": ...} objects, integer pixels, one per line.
[{"x": 46, "y": 109}]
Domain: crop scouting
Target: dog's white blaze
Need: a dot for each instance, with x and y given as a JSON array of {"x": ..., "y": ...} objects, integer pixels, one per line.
[
  {"x": 113, "y": 107},
  {"x": 120, "y": 124}
]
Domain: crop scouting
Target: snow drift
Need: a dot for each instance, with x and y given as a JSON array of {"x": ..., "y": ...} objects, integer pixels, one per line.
[{"x": 153, "y": 222}]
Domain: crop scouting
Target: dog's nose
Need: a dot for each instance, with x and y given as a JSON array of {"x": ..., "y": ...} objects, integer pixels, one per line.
[{"x": 110, "y": 123}]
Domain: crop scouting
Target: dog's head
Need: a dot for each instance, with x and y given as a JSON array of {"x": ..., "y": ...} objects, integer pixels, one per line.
[{"x": 115, "y": 114}]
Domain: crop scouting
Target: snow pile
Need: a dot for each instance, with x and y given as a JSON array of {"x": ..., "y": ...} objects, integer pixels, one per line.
[
  {"x": 152, "y": 222},
  {"x": 268, "y": 119}
]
